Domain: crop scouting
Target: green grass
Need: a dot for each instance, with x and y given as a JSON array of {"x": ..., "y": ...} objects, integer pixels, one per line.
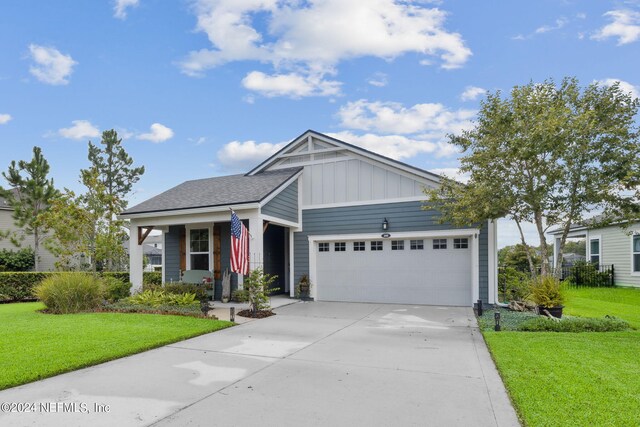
[
  {"x": 575, "y": 379},
  {"x": 36, "y": 345}
]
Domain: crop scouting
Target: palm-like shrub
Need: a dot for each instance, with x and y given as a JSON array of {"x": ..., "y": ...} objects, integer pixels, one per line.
[
  {"x": 158, "y": 297},
  {"x": 546, "y": 291},
  {"x": 71, "y": 293}
]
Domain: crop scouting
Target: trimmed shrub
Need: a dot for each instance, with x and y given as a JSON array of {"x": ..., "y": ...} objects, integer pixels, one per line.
[
  {"x": 574, "y": 324},
  {"x": 71, "y": 293},
  {"x": 116, "y": 289},
  {"x": 152, "y": 278},
  {"x": 19, "y": 260},
  {"x": 184, "y": 310}
]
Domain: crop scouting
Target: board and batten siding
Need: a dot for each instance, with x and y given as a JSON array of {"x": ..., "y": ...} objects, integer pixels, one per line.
[
  {"x": 285, "y": 204},
  {"x": 402, "y": 217},
  {"x": 171, "y": 254},
  {"x": 616, "y": 249}
]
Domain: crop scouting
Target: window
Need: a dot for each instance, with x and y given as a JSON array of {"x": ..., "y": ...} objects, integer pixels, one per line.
[
  {"x": 460, "y": 243},
  {"x": 358, "y": 246},
  {"x": 339, "y": 246},
  {"x": 199, "y": 249},
  {"x": 397, "y": 245},
  {"x": 594, "y": 251},
  {"x": 636, "y": 253},
  {"x": 323, "y": 247},
  {"x": 417, "y": 245},
  {"x": 376, "y": 245},
  {"x": 439, "y": 243}
]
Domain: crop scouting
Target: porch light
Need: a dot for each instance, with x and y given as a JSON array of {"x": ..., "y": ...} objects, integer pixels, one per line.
[
  {"x": 385, "y": 224},
  {"x": 497, "y": 317}
]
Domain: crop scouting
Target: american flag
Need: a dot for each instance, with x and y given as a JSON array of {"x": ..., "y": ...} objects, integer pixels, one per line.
[{"x": 239, "y": 246}]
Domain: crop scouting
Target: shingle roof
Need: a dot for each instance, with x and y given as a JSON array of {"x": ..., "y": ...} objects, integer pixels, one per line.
[{"x": 219, "y": 191}]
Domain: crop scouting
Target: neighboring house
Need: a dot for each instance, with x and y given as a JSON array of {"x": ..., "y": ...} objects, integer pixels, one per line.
[
  {"x": 152, "y": 250},
  {"x": 610, "y": 245},
  {"x": 47, "y": 260},
  {"x": 349, "y": 218}
]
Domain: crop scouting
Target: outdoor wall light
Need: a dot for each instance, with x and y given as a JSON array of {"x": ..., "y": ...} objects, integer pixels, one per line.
[
  {"x": 497, "y": 317},
  {"x": 385, "y": 224}
]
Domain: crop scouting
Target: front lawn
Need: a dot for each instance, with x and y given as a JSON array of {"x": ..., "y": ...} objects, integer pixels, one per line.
[
  {"x": 575, "y": 379},
  {"x": 36, "y": 345}
]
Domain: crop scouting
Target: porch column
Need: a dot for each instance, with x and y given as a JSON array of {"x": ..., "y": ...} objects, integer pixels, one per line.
[
  {"x": 135, "y": 258},
  {"x": 475, "y": 270},
  {"x": 256, "y": 242}
]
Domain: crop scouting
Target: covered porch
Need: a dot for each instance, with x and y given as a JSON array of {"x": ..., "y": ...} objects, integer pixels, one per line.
[{"x": 202, "y": 241}]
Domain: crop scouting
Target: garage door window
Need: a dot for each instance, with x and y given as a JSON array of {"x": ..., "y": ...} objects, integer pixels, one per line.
[
  {"x": 340, "y": 247},
  {"x": 376, "y": 245},
  {"x": 358, "y": 246},
  {"x": 323, "y": 247},
  {"x": 397, "y": 245},
  {"x": 460, "y": 243},
  {"x": 439, "y": 243},
  {"x": 417, "y": 245}
]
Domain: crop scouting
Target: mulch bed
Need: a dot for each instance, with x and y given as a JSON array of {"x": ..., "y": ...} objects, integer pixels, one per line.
[{"x": 259, "y": 314}]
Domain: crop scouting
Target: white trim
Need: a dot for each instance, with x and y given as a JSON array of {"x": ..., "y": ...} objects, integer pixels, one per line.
[
  {"x": 280, "y": 189},
  {"x": 279, "y": 221},
  {"x": 292, "y": 286},
  {"x": 300, "y": 201},
  {"x": 492, "y": 284},
  {"x": 597, "y": 237},
  {"x": 188, "y": 228},
  {"x": 366, "y": 202},
  {"x": 634, "y": 232},
  {"x": 304, "y": 153},
  {"x": 164, "y": 256},
  {"x": 473, "y": 233},
  {"x": 189, "y": 211}
]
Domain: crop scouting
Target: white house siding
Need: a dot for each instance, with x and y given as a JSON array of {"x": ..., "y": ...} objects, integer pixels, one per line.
[
  {"x": 616, "y": 249},
  {"x": 47, "y": 260}
]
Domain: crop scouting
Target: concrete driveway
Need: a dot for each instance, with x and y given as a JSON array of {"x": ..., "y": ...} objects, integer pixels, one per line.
[{"x": 330, "y": 364}]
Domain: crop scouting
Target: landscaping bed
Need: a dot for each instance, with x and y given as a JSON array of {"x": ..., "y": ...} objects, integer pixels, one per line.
[
  {"x": 573, "y": 379},
  {"x": 35, "y": 345}
]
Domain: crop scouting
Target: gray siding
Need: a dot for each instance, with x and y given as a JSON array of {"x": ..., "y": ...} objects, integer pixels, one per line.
[
  {"x": 285, "y": 204},
  {"x": 47, "y": 260},
  {"x": 172, "y": 254},
  {"x": 616, "y": 250},
  {"x": 406, "y": 216}
]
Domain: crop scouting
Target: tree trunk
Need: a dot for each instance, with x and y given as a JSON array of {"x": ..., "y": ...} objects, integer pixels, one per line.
[
  {"x": 36, "y": 249},
  {"x": 532, "y": 268},
  {"x": 544, "y": 249}
]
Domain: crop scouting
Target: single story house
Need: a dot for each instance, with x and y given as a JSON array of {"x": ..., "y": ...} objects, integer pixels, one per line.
[
  {"x": 609, "y": 245},
  {"x": 47, "y": 259},
  {"x": 350, "y": 219}
]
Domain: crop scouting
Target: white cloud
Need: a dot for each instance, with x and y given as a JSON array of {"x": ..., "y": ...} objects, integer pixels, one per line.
[
  {"x": 625, "y": 26},
  {"x": 51, "y": 66},
  {"x": 5, "y": 118},
  {"x": 624, "y": 86},
  {"x": 293, "y": 85},
  {"x": 242, "y": 155},
  {"x": 471, "y": 93},
  {"x": 397, "y": 147},
  {"x": 157, "y": 133},
  {"x": 81, "y": 129},
  {"x": 378, "y": 80},
  {"x": 392, "y": 117},
  {"x": 559, "y": 24},
  {"x": 452, "y": 173},
  {"x": 286, "y": 34},
  {"x": 120, "y": 7}
]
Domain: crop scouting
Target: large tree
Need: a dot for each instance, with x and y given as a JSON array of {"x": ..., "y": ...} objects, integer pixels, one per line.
[
  {"x": 551, "y": 154},
  {"x": 29, "y": 196},
  {"x": 112, "y": 168}
]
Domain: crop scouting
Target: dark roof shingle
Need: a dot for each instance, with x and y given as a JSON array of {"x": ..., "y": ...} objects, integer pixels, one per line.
[{"x": 218, "y": 191}]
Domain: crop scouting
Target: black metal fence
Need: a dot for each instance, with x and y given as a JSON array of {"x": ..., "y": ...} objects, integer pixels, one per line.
[{"x": 512, "y": 283}]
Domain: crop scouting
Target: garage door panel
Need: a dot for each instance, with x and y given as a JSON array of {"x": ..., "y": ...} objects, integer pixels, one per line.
[{"x": 427, "y": 276}]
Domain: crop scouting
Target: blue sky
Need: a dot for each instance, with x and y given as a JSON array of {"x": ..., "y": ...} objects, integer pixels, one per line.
[{"x": 205, "y": 88}]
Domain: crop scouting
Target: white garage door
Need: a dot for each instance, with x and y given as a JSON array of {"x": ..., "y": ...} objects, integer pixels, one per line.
[{"x": 410, "y": 271}]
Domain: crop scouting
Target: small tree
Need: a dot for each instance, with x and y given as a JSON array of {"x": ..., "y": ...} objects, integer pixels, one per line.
[
  {"x": 256, "y": 290},
  {"x": 29, "y": 196},
  {"x": 549, "y": 155}
]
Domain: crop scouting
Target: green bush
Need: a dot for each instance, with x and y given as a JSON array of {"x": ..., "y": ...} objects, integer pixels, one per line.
[
  {"x": 584, "y": 273},
  {"x": 517, "y": 284},
  {"x": 152, "y": 278},
  {"x": 179, "y": 288},
  {"x": 19, "y": 286},
  {"x": 179, "y": 310},
  {"x": 18, "y": 260},
  {"x": 256, "y": 290},
  {"x": 574, "y": 324},
  {"x": 546, "y": 291},
  {"x": 116, "y": 289},
  {"x": 71, "y": 293},
  {"x": 158, "y": 297}
]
